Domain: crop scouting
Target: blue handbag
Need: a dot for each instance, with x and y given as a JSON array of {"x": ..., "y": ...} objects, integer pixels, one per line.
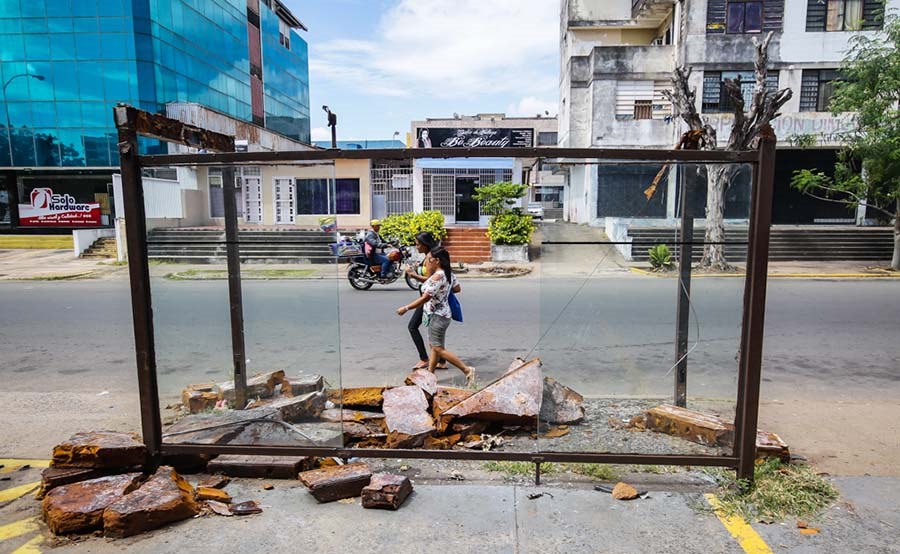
[{"x": 455, "y": 308}]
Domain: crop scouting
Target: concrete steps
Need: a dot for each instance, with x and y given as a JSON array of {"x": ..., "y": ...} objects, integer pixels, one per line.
[
  {"x": 102, "y": 248},
  {"x": 201, "y": 246},
  {"x": 468, "y": 244},
  {"x": 874, "y": 244}
]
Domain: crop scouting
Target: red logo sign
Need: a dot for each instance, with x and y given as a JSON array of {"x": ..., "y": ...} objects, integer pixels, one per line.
[{"x": 57, "y": 210}]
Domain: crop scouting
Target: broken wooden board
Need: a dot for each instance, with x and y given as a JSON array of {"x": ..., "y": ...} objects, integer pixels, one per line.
[
  {"x": 386, "y": 491},
  {"x": 424, "y": 379},
  {"x": 514, "y": 398},
  {"x": 78, "y": 508},
  {"x": 101, "y": 449},
  {"x": 560, "y": 404},
  {"x": 274, "y": 467},
  {"x": 705, "y": 429},
  {"x": 336, "y": 482},
  {"x": 406, "y": 417},
  {"x": 364, "y": 397},
  {"x": 164, "y": 498}
]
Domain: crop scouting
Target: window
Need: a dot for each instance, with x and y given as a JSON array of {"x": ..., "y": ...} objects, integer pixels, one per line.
[
  {"x": 327, "y": 197},
  {"x": 284, "y": 34},
  {"x": 641, "y": 100},
  {"x": 816, "y": 89},
  {"x": 844, "y": 15},
  {"x": 744, "y": 16},
  {"x": 346, "y": 196},
  {"x": 715, "y": 96},
  {"x": 547, "y": 139},
  {"x": 216, "y": 199}
]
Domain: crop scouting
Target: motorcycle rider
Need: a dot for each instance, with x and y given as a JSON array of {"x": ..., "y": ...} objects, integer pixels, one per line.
[{"x": 373, "y": 243}]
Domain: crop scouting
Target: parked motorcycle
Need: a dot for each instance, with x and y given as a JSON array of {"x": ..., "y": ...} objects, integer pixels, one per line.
[{"x": 362, "y": 275}]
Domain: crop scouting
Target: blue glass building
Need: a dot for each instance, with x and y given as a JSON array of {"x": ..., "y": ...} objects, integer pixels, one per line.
[{"x": 64, "y": 64}]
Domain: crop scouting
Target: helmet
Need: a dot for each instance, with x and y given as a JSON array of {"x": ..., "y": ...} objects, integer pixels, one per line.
[
  {"x": 375, "y": 222},
  {"x": 394, "y": 255}
]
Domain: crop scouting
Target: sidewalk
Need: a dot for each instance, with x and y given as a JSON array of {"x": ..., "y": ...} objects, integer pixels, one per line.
[
  {"x": 44, "y": 264},
  {"x": 485, "y": 517}
]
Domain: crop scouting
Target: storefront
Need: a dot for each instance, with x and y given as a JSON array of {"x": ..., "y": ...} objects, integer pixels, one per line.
[
  {"x": 448, "y": 185},
  {"x": 53, "y": 202}
]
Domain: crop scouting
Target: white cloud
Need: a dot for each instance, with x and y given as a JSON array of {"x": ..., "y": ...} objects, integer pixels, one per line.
[
  {"x": 531, "y": 106},
  {"x": 320, "y": 133},
  {"x": 450, "y": 50}
]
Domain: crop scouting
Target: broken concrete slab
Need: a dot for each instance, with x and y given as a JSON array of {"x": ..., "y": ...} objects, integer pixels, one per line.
[
  {"x": 273, "y": 467},
  {"x": 214, "y": 428},
  {"x": 444, "y": 399},
  {"x": 78, "y": 507},
  {"x": 164, "y": 498},
  {"x": 386, "y": 491},
  {"x": 516, "y": 364},
  {"x": 364, "y": 397},
  {"x": 298, "y": 408},
  {"x": 214, "y": 481},
  {"x": 280, "y": 433},
  {"x": 705, "y": 429},
  {"x": 513, "y": 398},
  {"x": 101, "y": 449},
  {"x": 770, "y": 445},
  {"x": 406, "y": 417},
  {"x": 337, "y": 415},
  {"x": 298, "y": 385},
  {"x": 336, "y": 482},
  {"x": 199, "y": 397},
  {"x": 53, "y": 477},
  {"x": 208, "y": 493},
  {"x": 424, "y": 379},
  {"x": 560, "y": 404},
  {"x": 261, "y": 385},
  {"x": 353, "y": 430}
]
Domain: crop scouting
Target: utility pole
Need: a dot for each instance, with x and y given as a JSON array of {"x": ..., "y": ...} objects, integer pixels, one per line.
[{"x": 332, "y": 122}]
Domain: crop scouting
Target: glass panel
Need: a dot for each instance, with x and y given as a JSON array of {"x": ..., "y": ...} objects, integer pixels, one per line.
[
  {"x": 853, "y": 16},
  {"x": 347, "y": 196},
  {"x": 609, "y": 320},
  {"x": 735, "y": 17},
  {"x": 753, "y": 17}
]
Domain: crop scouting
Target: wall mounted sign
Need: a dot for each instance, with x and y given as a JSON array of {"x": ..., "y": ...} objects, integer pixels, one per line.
[
  {"x": 444, "y": 137},
  {"x": 48, "y": 209}
]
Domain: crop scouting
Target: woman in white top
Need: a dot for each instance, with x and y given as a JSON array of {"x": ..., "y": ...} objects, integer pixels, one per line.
[{"x": 435, "y": 298}]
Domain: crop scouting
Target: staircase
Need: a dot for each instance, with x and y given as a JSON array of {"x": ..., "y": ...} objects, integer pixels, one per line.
[
  {"x": 468, "y": 244},
  {"x": 207, "y": 246},
  {"x": 864, "y": 244},
  {"x": 102, "y": 248}
]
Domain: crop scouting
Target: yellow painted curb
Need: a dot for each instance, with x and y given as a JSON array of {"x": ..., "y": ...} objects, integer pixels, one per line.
[
  {"x": 640, "y": 271},
  {"x": 30, "y": 547},
  {"x": 50, "y": 242},
  {"x": 749, "y": 540},
  {"x": 12, "y": 464},
  {"x": 7, "y": 495},
  {"x": 19, "y": 528}
]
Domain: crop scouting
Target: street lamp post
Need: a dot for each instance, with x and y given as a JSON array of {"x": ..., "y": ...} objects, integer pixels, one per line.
[
  {"x": 6, "y": 105},
  {"x": 332, "y": 122}
]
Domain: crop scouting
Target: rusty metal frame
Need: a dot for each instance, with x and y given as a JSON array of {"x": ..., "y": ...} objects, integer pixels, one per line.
[{"x": 132, "y": 122}]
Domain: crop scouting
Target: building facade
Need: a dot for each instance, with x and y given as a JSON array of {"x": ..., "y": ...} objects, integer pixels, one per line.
[
  {"x": 617, "y": 56},
  {"x": 447, "y": 185},
  {"x": 65, "y": 65}
]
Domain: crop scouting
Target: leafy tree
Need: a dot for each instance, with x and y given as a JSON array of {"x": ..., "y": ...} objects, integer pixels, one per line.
[
  {"x": 868, "y": 169},
  {"x": 498, "y": 198},
  {"x": 508, "y": 225}
]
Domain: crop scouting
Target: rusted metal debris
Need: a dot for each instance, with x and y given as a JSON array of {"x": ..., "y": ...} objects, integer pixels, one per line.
[
  {"x": 164, "y": 498},
  {"x": 386, "y": 491},
  {"x": 624, "y": 491},
  {"x": 444, "y": 399},
  {"x": 337, "y": 415},
  {"x": 103, "y": 449},
  {"x": 53, "y": 477},
  {"x": 424, "y": 379},
  {"x": 406, "y": 417},
  {"x": 273, "y": 467},
  {"x": 299, "y": 408},
  {"x": 515, "y": 397},
  {"x": 362, "y": 397},
  {"x": 247, "y": 508},
  {"x": 78, "y": 507},
  {"x": 691, "y": 425},
  {"x": 201, "y": 397},
  {"x": 770, "y": 445},
  {"x": 172, "y": 130},
  {"x": 560, "y": 404},
  {"x": 208, "y": 493},
  {"x": 214, "y": 482},
  {"x": 336, "y": 482},
  {"x": 262, "y": 385}
]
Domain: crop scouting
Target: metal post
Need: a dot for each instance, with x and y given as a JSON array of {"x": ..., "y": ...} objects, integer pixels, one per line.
[
  {"x": 683, "y": 319},
  {"x": 235, "y": 297},
  {"x": 139, "y": 275},
  {"x": 537, "y": 474},
  {"x": 755, "y": 305}
]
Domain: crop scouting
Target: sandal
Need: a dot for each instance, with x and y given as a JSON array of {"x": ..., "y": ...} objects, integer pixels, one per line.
[
  {"x": 420, "y": 365},
  {"x": 444, "y": 366}
]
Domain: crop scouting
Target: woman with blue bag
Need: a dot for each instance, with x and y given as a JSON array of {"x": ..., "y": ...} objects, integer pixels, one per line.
[
  {"x": 436, "y": 302},
  {"x": 425, "y": 243}
]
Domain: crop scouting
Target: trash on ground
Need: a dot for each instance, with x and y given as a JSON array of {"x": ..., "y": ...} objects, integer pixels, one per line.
[{"x": 247, "y": 508}]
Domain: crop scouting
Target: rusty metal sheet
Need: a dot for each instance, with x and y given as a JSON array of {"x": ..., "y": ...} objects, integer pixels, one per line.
[
  {"x": 444, "y": 399},
  {"x": 424, "y": 379},
  {"x": 336, "y": 482},
  {"x": 157, "y": 126},
  {"x": 274, "y": 467},
  {"x": 514, "y": 397},
  {"x": 164, "y": 498},
  {"x": 365, "y": 397},
  {"x": 705, "y": 429},
  {"x": 386, "y": 491},
  {"x": 406, "y": 415}
]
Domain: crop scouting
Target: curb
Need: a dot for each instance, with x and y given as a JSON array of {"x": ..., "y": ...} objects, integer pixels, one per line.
[{"x": 640, "y": 271}]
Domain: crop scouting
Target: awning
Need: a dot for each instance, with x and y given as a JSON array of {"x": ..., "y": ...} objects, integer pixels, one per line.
[{"x": 465, "y": 163}]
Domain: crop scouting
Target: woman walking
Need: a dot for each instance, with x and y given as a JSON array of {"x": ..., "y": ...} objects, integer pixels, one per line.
[
  {"x": 435, "y": 300},
  {"x": 425, "y": 242}
]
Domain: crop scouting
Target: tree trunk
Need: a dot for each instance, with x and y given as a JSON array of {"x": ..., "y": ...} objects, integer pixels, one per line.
[
  {"x": 714, "y": 250},
  {"x": 895, "y": 259}
]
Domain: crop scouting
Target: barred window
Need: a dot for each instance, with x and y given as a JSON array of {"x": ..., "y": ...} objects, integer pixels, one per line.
[
  {"x": 816, "y": 89},
  {"x": 715, "y": 96}
]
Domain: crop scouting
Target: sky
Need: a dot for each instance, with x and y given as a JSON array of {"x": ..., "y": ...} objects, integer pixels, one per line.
[{"x": 380, "y": 64}]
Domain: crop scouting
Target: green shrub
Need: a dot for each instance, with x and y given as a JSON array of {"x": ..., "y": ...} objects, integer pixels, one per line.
[
  {"x": 405, "y": 227},
  {"x": 660, "y": 257},
  {"x": 498, "y": 198},
  {"x": 510, "y": 229}
]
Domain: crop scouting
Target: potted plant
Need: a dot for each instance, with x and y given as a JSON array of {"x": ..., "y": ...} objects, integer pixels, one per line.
[{"x": 510, "y": 230}]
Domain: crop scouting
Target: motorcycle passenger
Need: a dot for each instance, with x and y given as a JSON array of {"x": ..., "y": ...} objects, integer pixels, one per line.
[{"x": 373, "y": 243}]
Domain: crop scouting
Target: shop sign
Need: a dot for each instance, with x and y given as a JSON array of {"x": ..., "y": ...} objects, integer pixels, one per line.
[
  {"x": 445, "y": 137},
  {"x": 48, "y": 209}
]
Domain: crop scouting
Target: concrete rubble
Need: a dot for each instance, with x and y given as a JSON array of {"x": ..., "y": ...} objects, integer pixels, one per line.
[
  {"x": 332, "y": 483},
  {"x": 274, "y": 467},
  {"x": 513, "y": 398},
  {"x": 424, "y": 379},
  {"x": 164, "y": 498},
  {"x": 386, "y": 491},
  {"x": 103, "y": 449},
  {"x": 79, "y": 507},
  {"x": 560, "y": 404}
]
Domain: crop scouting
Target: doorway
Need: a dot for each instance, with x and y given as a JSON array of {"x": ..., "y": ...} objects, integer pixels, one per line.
[
  {"x": 466, "y": 206},
  {"x": 252, "y": 189}
]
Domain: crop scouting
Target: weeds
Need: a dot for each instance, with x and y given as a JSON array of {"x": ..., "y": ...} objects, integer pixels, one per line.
[{"x": 779, "y": 491}]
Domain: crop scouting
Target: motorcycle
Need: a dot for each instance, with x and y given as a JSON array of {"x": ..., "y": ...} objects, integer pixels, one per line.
[{"x": 362, "y": 275}]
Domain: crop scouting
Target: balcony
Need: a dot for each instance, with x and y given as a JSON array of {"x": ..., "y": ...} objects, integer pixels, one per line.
[{"x": 651, "y": 9}]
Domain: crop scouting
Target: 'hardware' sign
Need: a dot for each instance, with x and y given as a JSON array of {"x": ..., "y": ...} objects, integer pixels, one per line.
[{"x": 57, "y": 210}]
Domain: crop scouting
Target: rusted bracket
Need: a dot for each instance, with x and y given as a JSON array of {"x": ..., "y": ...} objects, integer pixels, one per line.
[{"x": 171, "y": 130}]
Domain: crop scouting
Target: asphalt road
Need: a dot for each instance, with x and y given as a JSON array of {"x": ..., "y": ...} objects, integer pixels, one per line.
[{"x": 610, "y": 335}]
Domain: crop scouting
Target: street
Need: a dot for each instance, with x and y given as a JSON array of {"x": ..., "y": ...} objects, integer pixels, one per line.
[{"x": 829, "y": 344}]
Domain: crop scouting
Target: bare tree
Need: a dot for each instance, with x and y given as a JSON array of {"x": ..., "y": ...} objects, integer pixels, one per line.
[{"x": 764, "y": 106}]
